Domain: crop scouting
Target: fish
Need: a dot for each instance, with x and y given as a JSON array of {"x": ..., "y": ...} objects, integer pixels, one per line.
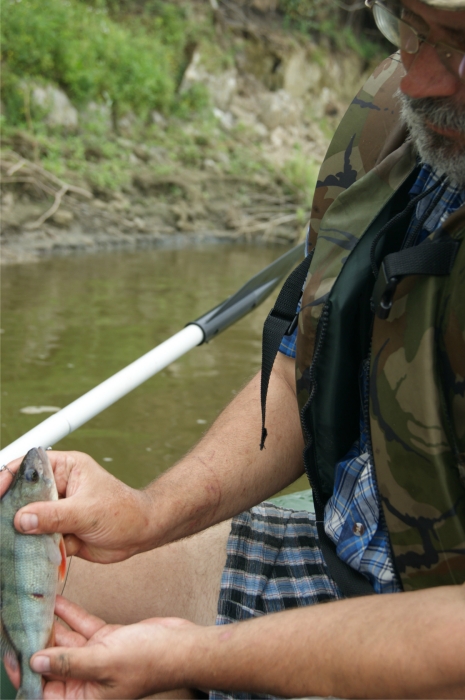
[{"x": 30, "y": 569}]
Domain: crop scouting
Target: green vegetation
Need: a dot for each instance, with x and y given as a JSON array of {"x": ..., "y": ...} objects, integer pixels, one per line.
[
  {"x": 123, "y": 60},
  {"x": 302, "y": 173},
  {"x": 132, "y": 64},
  {"x": 343, "y": 28}
]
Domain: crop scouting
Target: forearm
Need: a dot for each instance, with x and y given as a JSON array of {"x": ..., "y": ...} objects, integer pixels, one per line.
[
  {"x": 399, "y": 646},
  {"x": 226, "y": 472}
]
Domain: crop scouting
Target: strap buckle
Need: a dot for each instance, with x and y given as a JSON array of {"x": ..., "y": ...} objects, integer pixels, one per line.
[
  {"x": 292, "y": 325},
  {"x": 383, "y": 293}
]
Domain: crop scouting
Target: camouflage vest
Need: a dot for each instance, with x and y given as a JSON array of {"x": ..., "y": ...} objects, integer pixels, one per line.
[{"x": 416, "y": 407}]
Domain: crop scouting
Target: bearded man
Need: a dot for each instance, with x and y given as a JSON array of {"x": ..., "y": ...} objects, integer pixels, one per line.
[{"x": 380, "y": 375}]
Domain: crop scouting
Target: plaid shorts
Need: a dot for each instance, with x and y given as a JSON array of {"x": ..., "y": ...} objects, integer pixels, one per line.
[{"x": 273, "y": 563}]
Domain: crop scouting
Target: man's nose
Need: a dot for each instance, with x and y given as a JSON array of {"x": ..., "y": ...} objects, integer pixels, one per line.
[{"x": 427, "y": 76}]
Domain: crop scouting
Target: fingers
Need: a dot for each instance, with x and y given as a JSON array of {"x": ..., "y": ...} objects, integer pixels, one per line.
[
  {"x": 55, "y": 690},
  {"x": 7, "y": 474},
  {"x": 73, "y": 545},
  {"x": 68, "y": 468},
  {"x": 65, "y": 637},
  {"x": 77, "y": 618}
]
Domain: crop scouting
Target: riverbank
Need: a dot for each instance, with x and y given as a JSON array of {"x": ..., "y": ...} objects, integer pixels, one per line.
[{"x": 235, "y": 158}]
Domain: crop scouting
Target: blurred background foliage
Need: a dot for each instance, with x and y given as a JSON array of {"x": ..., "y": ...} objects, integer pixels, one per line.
[
  {"x": 132, "y": 54},
  {"x": 124, "y": 62},
  {"x": 86, "y": 51}
]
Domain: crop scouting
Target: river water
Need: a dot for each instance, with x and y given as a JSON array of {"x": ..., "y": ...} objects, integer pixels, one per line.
[{"x": 69, "y": 323}]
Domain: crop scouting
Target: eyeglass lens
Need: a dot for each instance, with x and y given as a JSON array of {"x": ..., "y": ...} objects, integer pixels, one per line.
[{"x": 404, "y": 37}]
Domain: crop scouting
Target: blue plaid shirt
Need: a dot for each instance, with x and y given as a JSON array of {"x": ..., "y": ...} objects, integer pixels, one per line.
[{"x": 352, "y": 513}]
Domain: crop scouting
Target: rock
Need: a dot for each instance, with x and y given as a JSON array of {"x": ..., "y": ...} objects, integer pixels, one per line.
[
  {"x": 97, "y": 112},
  {"x": 210, "y": 164},
  {"x": 62, "y": 217},
  {"x": 141, "y": 152},
  {"x": 221, "y": 86},
  {"x": 59, "y": 110},
  {"x": 120, "y": 203},
  {"x": 7, "y": 201},
  {"x": 158, "y": 153},
  {"x": 261, "y": 130},
  {"x": 139, "y": 223},
  {"x": 325, "y": 104},
  {"x": 244, "y": 114},
  {"x": 158, "y": 118},
  {"x": 301, "y": 73},
  {"x": 226, "y": 119},
  {"x": 345, "y": 72},
  {"x": 279, "y": 109},
  {"x": 125, "y": 143},
  {"x": 127, "y": 123},
  {"x": 278, "y": 137},
  {"x": 223, "y": 157}
]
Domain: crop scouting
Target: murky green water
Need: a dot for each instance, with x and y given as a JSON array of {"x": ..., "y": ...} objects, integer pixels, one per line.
[{"x": 69, "y": 323}]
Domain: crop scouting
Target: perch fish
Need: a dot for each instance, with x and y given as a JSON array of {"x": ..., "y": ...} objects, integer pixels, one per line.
[{"x": 31, "y": 566}]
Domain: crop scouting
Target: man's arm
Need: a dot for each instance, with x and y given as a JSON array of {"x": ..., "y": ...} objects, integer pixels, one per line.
[
  {"x": 400, "y": 645},
  {"x": 223, "y": 474},
  {"x": 226, "y": 472},
  {"x": 390, "y": 646}
]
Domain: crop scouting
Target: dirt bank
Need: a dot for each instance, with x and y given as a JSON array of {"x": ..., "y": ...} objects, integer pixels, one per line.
[{"x": 242, "y": 170}]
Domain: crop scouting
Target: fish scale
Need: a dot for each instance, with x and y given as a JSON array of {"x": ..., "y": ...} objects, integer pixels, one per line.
[{"x": 30, "y": 566}]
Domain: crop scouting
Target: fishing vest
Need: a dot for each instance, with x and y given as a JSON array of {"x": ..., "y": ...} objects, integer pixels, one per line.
[{"x": 414, "y": 341}]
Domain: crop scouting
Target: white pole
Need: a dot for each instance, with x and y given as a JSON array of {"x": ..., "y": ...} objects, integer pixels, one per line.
[{"x": 100, "y": 397}]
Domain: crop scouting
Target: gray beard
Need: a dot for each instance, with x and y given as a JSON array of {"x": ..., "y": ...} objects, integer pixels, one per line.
[{"x": 443, "y": 154}]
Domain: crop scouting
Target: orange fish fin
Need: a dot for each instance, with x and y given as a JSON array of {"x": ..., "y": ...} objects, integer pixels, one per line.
[{"x": 62, "y": 567}]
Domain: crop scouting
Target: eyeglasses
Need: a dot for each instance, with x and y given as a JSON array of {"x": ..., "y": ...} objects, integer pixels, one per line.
[{"x": 406, "y": 38}]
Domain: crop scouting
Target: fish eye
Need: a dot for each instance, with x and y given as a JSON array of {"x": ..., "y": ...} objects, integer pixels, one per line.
[{"x": 32, "y": 475}]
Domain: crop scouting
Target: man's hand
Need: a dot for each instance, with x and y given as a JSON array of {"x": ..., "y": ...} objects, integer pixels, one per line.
[
  {"x": 103, "y": 519},
  {"x": 95, "y": 660},
  {"x": 390, "y": 646}
]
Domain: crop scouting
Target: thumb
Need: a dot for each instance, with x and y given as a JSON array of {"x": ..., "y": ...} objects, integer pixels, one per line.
[
  {"x": 46, "y": 517},
  {"x": 84, "y": 663}
]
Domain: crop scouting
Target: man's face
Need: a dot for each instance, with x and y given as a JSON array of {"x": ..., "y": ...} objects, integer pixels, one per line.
[{"x": 433, "y": 98}]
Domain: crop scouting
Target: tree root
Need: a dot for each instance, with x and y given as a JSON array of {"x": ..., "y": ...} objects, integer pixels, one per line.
[{"x": 17, "y": 169}]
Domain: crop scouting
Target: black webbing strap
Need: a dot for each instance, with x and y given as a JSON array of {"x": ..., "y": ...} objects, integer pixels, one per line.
[
  {"x": 426, "y": 259},
  {"x": 281, "y": 320}
]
